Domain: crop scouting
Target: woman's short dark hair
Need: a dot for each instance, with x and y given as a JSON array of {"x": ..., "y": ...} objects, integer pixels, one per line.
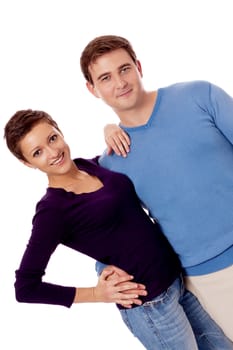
[{"x": 20, "y": 124}]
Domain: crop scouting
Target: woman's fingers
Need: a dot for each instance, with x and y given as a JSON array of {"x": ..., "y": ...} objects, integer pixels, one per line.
[{"x": 117, "y": 140}]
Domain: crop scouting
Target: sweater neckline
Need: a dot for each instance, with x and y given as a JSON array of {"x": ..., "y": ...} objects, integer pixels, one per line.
[{"x": 150, "y": 120}]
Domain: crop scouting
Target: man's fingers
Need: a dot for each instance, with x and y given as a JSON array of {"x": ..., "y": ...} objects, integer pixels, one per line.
[
  {"x": 139, "y": 292},
  {"x": 107, "y": 272},
  {"x": 129, "y": 302},
  {"x": 127, "y": 286},
  {"x": 117, "y": 270},
  {"x": 123, "y": 284},
  {"x": 139, "y": 287},
  {"x": 116, "y": 279}
]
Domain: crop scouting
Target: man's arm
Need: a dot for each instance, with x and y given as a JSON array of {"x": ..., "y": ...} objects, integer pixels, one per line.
[
  {"x": 221, "y": 110},
  {"x": 99, "y": 267}
]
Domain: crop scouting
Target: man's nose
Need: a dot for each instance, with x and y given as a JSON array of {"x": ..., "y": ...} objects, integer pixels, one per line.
[{"x": 120, "y": 82}]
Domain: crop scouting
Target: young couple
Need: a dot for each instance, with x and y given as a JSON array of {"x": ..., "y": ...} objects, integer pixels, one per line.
[{"x": 96, "y": 211}]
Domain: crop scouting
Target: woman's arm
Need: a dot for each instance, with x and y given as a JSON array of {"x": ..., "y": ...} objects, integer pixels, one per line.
[
  {"x": 117, "y": 140},
  {"x": 30, "y": 287},
  {"x": 112, "y": 287},
  {"x": 48, "y": 231}
]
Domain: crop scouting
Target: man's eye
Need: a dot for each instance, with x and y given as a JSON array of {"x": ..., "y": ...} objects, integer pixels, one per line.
[
  {"x": 106, "y": 78},
  {"x": 125, "y": 69}
]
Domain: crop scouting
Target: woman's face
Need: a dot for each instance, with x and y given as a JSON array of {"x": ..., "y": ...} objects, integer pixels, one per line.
[{"x": 44, "y": 148}]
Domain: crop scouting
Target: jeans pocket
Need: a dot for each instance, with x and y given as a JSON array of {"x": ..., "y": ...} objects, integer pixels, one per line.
[
  {"x": 173, "y": 291},
  {"x": 161, "y": 298}
]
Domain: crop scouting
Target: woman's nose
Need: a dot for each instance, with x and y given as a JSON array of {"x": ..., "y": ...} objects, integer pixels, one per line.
[{"x": 52, "y": 152}]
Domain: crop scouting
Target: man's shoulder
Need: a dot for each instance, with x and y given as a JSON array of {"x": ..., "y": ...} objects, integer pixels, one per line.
[
  {"x": 112, "y": 161},
  {"x": 190, "y": 85},
  {"x": 105, "y": 159},
  {"x": 187, "y": 90}
]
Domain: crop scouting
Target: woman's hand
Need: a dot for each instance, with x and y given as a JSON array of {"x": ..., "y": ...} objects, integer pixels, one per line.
[
  {"x": 115, "y": 285},
  {"x": 117, "y": 140}
]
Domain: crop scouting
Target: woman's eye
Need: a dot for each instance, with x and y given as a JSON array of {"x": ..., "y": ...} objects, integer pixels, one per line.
[
  {"x": 53, "y": 138},
  {"x": 36, "y": 153}
]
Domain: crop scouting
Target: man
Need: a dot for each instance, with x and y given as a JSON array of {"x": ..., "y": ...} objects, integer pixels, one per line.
[{"x": 180, "y": 161}]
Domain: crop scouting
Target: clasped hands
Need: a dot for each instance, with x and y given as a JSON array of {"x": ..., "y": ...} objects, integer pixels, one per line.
[{"x": 116, "y": 286}]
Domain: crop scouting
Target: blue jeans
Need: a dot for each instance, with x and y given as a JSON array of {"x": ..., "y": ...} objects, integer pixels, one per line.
[{"x": 175, "y": 320}]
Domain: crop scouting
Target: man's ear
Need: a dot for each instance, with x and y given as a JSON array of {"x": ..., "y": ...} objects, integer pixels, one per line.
[
  {"x": 91, "y": 88},
  {"x": 139, "y": 67},
  {"x": 27, "y": 164}
]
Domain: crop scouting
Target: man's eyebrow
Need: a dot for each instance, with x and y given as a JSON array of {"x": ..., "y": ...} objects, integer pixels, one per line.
[
  {"x": 119, "y": 68},
  {"x": 102, "y": 75},
  {"x": 125, "y": 65}
]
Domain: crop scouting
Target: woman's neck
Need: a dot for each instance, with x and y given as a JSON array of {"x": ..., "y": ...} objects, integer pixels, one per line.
[
  {"x": 62, "y": 180},
  {"x": 76, "y": 181}
]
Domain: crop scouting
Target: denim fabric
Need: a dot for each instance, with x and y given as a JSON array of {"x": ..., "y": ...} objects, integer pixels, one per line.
[{"x": 175, "y": 320}]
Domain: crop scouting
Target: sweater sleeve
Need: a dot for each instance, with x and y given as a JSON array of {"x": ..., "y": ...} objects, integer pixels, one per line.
[
  {"x": 99, "y": 266},
  {"x": 47, "y": 232},
  {"x": 221, "y": 109}
]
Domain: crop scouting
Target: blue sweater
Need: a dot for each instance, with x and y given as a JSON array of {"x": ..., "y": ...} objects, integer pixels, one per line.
[
  {"x": 181, "y": 164},
  {"x": 108, "y": 225}
]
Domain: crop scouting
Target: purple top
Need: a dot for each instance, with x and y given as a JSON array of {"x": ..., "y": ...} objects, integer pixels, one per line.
[{"x": 108, "y": 225}]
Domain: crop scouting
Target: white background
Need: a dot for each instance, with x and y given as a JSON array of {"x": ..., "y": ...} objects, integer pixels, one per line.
[{"x": 40, "y": 45}]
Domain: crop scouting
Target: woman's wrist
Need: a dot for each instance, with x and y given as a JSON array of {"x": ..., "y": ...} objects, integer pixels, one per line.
[{"x": 85, "y": 295}]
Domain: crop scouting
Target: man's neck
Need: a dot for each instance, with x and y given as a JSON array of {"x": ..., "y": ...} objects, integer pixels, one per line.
[{"x": 141, "y": 113}]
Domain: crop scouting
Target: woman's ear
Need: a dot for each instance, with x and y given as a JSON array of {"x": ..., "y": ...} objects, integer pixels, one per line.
[{"x": 27, "y": 164}]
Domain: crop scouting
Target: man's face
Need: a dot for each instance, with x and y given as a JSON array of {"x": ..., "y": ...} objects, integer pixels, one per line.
[{"x": 116, "y": 80}]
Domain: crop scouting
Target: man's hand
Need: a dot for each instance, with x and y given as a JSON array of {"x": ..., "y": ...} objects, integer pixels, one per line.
[
  {"x": 117, "y": 140},
  {"x": 115, "y": 285}
]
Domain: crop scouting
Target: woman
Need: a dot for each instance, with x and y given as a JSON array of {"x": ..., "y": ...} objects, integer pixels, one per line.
[{"x": 96, "y": 212}]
